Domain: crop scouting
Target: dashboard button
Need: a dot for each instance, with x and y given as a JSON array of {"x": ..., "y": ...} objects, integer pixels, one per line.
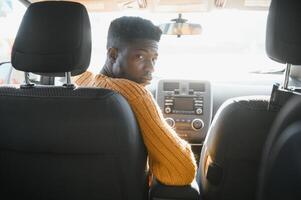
[
  {"x": 199, "y": 111},
  {"x": 170, "y": 122},
  {"x": 168, "y": 100},
  {"x": 197, "y": 124},
  {"x": 167, "y": 110}
]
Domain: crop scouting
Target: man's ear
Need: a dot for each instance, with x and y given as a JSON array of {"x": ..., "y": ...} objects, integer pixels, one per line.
[{"x": 112, "y": 54}]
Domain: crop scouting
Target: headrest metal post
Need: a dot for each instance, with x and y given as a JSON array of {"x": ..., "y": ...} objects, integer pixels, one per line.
[
  {"x": 287, "y": 74},
  {"x": 26, "y": 74},
  {"x": 68, "y": 78},
  {"x": 27, "y": 82},
  {"x": 68, "y": 83}
]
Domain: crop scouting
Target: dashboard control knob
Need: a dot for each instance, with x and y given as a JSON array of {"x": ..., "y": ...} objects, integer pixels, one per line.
[
  {"x": 170, "y": 122},
  {"x": 197, "y": 124},
  {"x": 167, "y": 110},
  {"x": 199, "y": 111}
]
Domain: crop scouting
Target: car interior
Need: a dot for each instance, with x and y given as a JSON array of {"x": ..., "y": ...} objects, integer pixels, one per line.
[{"x": 242, "y": 120}]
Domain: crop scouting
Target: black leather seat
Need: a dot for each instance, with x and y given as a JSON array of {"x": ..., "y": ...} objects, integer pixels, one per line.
[
  {"x": 65, "y": 142},
  {"x": 231, "y": 156},
  {"x": 280, "y": 166},
  {"x": 280, "y": 174},
  {"x": 232, "y": 149}
]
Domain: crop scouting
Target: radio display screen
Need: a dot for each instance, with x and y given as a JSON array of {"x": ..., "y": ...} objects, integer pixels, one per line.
[{"x": 183, "y": 103}]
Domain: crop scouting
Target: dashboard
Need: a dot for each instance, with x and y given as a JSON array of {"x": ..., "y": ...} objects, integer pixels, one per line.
[{"x": 189, "y": 106}]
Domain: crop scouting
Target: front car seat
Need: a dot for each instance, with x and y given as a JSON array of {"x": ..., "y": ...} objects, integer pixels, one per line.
[
  {"x": 232, "y": 149},
  {"x": 62, "y": 142},
  {"x": 230, "y": 158},
  {"x": 280, "y": 166},
  {"x": 280, "y": 173}
]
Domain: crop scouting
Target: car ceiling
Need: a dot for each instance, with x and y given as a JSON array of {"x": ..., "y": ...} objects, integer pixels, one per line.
[{"x": 176, "y": 6}]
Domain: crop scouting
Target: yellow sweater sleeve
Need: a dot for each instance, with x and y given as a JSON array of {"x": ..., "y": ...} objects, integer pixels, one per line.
[
  {"x": 170, "y": 157},
  {"x": 85, "y": 79}
]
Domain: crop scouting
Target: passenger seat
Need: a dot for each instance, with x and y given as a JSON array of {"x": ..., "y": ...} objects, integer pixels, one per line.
[
  {"x": 281, "y": 164},
  {"x": 62, "y": 142},
  {"x": 231, "y": 155},
  {"x": 280, "y": 173}
]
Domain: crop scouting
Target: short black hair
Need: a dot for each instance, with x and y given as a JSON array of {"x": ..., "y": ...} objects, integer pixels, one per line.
[{"x": 126, "y": 29}]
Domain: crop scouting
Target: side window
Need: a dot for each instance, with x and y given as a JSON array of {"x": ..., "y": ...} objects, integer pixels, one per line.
[
  {"x": 9, "y": 75},
  {"x": 5, "y": 72},
  {"x": 11, "y": 13}
]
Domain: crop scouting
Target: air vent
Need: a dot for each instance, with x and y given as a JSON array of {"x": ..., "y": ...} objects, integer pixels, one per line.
[{"x": 171, "y": 86}]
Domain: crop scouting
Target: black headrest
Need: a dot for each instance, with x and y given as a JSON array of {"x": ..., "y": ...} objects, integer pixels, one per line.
[
  {"x": 283, "y": 36},
  {"x": 54, "y": 37}
]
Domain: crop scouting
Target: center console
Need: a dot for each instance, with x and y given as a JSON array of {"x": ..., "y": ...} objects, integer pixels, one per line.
[{"x": 187, "y": 107}]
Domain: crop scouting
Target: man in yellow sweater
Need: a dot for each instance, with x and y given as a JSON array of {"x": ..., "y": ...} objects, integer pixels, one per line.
[{"x": 132, "y": 50}]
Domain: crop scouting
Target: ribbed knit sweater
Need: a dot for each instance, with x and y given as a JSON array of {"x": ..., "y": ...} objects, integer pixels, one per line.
[{"x": 170, "y": 158}]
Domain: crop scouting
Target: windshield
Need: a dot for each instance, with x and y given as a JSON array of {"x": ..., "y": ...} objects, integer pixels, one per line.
[{"x": 232, "y": 42}]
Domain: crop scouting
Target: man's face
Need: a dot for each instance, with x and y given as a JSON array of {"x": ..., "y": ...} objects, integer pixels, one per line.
[{"x": 136, "y": 61}]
